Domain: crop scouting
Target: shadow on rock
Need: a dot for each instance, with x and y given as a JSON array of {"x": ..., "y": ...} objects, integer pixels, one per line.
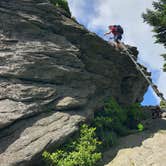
[{"x": 135, "y": 140}]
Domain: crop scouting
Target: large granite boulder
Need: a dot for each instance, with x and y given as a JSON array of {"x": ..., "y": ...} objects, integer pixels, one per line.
[{"x": 54, "y": 75}]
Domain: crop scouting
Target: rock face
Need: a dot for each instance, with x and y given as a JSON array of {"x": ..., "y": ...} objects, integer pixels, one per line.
[
  {"x": 148, "y": 154},
  {"x": 54, "y": 75},
  {"x": 146, "y": 148}
]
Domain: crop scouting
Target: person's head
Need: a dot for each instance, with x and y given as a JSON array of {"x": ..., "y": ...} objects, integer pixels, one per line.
[{"x": 110, "y": 26}]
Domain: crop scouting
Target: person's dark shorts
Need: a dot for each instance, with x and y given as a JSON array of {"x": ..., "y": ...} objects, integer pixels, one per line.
[{"x": 117, "y": 38}]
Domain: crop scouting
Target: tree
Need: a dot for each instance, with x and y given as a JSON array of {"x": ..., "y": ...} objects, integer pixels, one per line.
[{"x": 157, "y": 19}]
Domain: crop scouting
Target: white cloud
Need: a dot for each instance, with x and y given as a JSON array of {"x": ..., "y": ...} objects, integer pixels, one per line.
[
  {"x": 81, "y": 10},
  {"x": 77, "y": 7},
  {"x": 128, "y": 14}
]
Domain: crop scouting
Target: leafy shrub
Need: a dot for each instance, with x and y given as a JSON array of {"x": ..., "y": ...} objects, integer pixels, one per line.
[
  {"x": 62, "y": 4},
  {"x": 81, "y": 152},
  {"x": 110, "y": 123},
  {"x": 114, "y": 121},
  {"x": 134, "y": 115},
  {"x": 140, "y": 127}
]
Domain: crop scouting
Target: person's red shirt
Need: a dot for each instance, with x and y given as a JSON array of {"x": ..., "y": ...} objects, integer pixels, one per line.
[{"x": 113, "y": 30}]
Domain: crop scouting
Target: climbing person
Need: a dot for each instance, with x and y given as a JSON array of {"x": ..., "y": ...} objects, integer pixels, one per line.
[{"x": 117, "y": 32}]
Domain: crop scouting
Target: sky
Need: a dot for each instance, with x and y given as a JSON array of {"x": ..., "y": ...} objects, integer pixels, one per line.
[{"x": 96, "y": 15}]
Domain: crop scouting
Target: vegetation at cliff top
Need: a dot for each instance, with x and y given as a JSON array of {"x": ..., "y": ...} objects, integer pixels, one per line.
[
  {"x": 157, "y": 19},
  {"x": 109, "y": 124},
  {"x": 62, "y": 4}
]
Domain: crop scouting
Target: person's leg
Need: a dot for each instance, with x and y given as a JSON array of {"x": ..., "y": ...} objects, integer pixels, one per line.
[
  {"x": 112, "y": 42},
  {"x": 121, "y": 46},
  {"x": 118, "y": 41}
]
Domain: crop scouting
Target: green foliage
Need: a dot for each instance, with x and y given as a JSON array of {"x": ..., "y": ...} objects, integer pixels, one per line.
[
  {"x": 110, "y": 123},
  {"x": 163, "y": 104},
  {"x": 116, "y": 121},
  {"x": 134, "y": 115},
  {"x": 62, "y": 4},
  {"x": 164, "y": 66},
  {"x": 81, "y": 152},
  {"x": 140, "y": 127},
  {"x": 157, "y": 19}
]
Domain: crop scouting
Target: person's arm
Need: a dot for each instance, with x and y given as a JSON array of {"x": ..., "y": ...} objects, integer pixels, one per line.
[{"x": 107, "y": 33}]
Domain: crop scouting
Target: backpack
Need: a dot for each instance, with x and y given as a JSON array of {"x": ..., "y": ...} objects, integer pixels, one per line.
[{"x": 119, "y": 29}]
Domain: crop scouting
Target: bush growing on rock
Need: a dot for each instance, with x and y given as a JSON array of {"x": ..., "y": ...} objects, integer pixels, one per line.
[
  {"x": 134, "y": 115},
  {"x": 140, "y": 127},
  {"x": 114, "y": 121},
  {"x": 81, "y": 152},
  {"x": 110, "y": 123}
]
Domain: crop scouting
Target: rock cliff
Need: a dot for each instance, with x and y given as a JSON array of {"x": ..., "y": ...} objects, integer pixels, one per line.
[{"x": 54, "y": 75}]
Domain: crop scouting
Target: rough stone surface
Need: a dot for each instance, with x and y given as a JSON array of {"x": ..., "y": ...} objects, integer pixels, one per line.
[
  {"x": 147, "y": 148},
  {"x": 53, "y": 75}
]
